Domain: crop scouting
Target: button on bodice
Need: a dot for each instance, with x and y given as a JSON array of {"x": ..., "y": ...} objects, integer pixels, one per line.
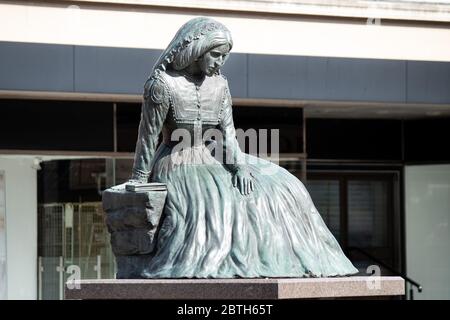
[{"x": 194, "y": 100}]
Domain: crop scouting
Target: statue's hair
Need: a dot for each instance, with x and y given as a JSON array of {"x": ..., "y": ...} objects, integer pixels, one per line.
[
  {"x": 197, "y": 48},
  {"x": 193, "y": 39}
]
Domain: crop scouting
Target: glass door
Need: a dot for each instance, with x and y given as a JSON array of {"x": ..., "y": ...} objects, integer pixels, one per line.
[
  {"x": 73, "y": 240},
  {"x": 370, "y": 217}
]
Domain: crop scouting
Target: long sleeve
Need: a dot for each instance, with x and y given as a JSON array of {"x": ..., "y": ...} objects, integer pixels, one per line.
[
  {"x": 232, "y": 153},
  {"x": 153, "y": 114}
]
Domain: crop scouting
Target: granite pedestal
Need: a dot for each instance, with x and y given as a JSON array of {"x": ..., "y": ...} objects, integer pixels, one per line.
[{"x": 217, "y": 289}]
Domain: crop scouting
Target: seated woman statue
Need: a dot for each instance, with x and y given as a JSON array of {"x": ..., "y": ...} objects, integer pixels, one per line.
[{"x": 240, "y": 217}]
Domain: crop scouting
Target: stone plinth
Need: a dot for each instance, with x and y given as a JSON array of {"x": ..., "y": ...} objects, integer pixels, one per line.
[
  {"x": 133, "y": 219},
  {"x": 197, "y": 289}
]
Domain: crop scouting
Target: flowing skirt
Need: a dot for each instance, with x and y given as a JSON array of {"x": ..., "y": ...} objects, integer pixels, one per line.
[{"x": 210, "y": 230}]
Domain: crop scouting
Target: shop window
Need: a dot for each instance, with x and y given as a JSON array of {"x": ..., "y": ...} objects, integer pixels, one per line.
[
  {"x": 56, "y": 125},
  {"x": 71, "y": 227},
  {"x": 359, "y": 209}
]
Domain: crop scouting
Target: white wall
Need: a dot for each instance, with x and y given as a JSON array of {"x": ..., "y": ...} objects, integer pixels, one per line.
[
  {"x": 21, "y": 226},
  {"x": 153, "y": 28},
  {"x": 427, "y": 196},
  {"x": 3, "y": 280}
]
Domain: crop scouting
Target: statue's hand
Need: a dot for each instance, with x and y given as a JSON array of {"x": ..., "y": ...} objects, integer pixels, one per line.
[
  {"x": 243, "y": 180},
  {"x": 138, "y": 178},
  {"x": 134, "y": 181}
]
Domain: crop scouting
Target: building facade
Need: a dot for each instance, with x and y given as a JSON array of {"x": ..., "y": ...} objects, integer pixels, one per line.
[{"x": 360, "y": 91}]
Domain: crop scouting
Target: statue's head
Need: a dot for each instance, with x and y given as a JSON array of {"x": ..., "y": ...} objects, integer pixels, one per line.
[
  {"x": 212, "y": 60},
  {"x": 209, "y": 43},
  {"x": 202, "y": 41}
]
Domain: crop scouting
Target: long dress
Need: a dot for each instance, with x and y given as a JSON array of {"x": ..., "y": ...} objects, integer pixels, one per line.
[{"x": 209, "y": 229}]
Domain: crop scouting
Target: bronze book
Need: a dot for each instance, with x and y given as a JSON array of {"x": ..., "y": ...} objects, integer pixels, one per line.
[{"x": 152, "y": 186}]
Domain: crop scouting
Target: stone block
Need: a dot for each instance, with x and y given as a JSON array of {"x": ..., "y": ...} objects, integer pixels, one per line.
[{"x": 132, "y": 219}]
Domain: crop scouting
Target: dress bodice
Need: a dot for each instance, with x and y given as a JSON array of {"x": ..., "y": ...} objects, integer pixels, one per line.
[
  {"x": 193, "y": 100},
  {"x": 195, "y": 104},
  {"x": 175, "y": 100}
]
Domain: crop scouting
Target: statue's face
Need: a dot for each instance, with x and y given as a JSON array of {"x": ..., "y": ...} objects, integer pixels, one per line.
[{"x": 214, "y": 59}]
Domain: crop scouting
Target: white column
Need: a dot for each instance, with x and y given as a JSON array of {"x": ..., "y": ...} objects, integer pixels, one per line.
[
  {"x": 3, "y": 280},
  {"x": 427, "y": 197},
  {"x": 20, "y": 181}
]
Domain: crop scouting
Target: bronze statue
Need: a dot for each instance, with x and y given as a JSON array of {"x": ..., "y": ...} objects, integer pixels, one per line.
[{"x": 221, "y": 219}]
